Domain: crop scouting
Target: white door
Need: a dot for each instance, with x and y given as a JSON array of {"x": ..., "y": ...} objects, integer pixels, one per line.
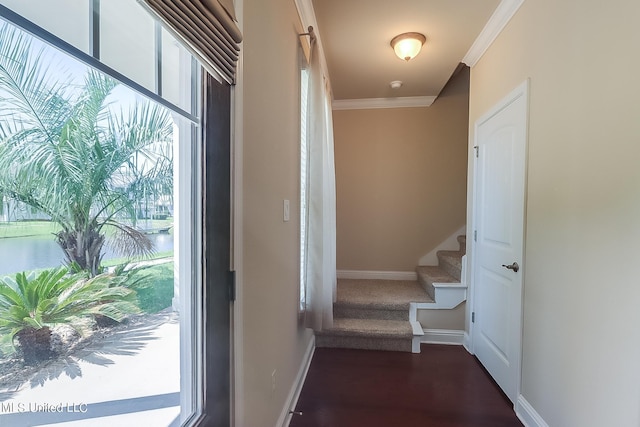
[{"x": 501, "y": 137}]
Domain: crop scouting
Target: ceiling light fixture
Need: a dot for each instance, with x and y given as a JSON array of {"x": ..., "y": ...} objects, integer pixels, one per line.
[{"x": 408, "y": 45}]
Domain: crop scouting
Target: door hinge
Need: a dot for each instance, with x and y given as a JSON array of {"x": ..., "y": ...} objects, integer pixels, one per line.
[
  {"x": 473, "y": 317},
  {"x": 475, "y": 235},
  {"x": 477, "y": 148},
  {"x": 232, "y": 285}
]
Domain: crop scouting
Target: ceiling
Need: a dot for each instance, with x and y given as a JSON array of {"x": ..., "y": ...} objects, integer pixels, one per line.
[{"x": 356, "y": 36}]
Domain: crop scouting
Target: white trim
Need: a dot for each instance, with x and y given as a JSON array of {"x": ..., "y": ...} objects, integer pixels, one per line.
[
  {"x": 500, "y": 18},
  {"x": 296, "y": 387},
  {"x": 449, "y": 295},
  {"x": 449, "y": 244},
  {"x": 416, "y": 327},
  {"x": 374, "y": 103},
  {"x": 415, "y": 344},
  {"x": 307, "y": 16},
  {"x": 443, "y": 336},
  {"x": 466, "y": 342},
  {"x": 377, "y": 275},
  {"x": 237, "y": 236},
  {"x": 528, "y": 415}
]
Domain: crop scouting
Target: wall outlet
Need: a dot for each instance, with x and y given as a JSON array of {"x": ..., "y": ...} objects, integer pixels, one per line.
[{"x": 285, "y": 210}]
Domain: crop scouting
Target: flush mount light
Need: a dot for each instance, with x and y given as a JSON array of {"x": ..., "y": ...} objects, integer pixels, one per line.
[{"x": 408, "y": 45}]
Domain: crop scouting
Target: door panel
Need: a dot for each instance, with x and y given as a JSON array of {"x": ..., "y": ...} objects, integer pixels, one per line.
[
  {"x": 499, "y": 226},
  {"x": 494, "y": 327}
]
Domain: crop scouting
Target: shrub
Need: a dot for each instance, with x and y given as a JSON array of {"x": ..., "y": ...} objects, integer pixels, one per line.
[{"x": 31, "y": 305}]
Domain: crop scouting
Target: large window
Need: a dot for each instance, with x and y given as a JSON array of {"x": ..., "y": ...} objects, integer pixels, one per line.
[{"x": 100, "y": 130}]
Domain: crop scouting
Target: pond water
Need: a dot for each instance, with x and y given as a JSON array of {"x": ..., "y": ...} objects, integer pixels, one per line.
[{"x": 30, "y": 253}]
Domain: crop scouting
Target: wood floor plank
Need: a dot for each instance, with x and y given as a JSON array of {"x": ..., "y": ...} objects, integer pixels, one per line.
[{"x": 444, "y": 386}]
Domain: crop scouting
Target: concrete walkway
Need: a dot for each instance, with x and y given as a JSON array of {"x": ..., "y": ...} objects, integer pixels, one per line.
[{"x": 132, "y": 378}]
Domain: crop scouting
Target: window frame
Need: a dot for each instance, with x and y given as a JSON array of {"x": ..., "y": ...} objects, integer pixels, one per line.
[{"x": 211, "y": 199}]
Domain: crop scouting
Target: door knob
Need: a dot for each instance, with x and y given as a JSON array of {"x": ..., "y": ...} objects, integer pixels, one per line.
[{"x": 515, "y": 267}]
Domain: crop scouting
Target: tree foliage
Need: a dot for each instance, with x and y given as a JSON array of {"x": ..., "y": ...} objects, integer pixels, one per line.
[{"x": 66, "y": 150}]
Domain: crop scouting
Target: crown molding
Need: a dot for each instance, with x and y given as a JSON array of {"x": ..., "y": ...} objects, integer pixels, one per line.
[
  {"x": 500, "y": 18},
  {"x": 373, "y": 103}
]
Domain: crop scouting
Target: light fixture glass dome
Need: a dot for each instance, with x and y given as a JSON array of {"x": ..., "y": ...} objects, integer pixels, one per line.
[{"x": 408, "y": 45}]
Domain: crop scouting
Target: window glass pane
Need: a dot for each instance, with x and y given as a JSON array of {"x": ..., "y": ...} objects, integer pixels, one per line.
[
  {"x": 67, "y": 19},
  {"x": 176, "y": 72},
  {"x": 125, "y": 355},
  {"x": 127, "y": 41}
]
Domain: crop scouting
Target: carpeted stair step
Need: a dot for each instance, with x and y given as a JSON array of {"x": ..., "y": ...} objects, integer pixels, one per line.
[
  {"x": 367, "y": 334},
  {"x": 377, "y": 299},
  {"x": 373, "y": 315},
  {"x": 451, "y": 262},
  {"x": 430, "y": 274},
  {"x": 351, "y": 311}
]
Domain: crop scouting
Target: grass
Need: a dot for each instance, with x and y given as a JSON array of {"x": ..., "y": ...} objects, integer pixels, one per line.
[
  {"x": 156, "y": 292},
  {"x": 28, "y": 228},
  {"x": 117, "y": 261},
  {"x": 47, "y": 228}
]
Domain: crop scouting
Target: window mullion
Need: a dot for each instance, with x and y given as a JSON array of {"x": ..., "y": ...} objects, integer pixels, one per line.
[{"x": 94, "y": 29}]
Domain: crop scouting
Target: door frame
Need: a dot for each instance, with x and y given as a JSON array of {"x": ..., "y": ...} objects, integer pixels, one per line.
[{"x": 522, "y": 90}]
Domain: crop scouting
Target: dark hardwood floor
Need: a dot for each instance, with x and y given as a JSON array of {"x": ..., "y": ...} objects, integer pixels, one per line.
[{"x": 444, "y": 386}]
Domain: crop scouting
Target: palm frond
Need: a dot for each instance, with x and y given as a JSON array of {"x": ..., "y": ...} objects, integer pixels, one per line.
[
  {"x": 130, "y": 242},
  {"x": 34, "y": 94},
  {"x": 68, "y": 152},
  {"x": 54, "y": 297}
]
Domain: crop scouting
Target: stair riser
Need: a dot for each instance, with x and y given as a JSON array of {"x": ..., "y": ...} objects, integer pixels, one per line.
[
  {"x": 364, "y": 313},
  {"x": 428, "y": 287},
  {"x": 452, "y": 266},
  {"x": 364, "y": 343},
  {"x": 462, "y": 241}
]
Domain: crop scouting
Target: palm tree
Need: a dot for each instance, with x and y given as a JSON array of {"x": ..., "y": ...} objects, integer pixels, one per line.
[{"x": 66, "y": 152}]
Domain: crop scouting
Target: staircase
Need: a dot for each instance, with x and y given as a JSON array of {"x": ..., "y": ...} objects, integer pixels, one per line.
[
  {"x": 448, "y": 270},
  {"x": 381, "y": 314}
]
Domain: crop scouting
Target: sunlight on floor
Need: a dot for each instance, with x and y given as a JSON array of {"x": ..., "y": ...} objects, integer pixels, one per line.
[{"x": 136, "y": 382}]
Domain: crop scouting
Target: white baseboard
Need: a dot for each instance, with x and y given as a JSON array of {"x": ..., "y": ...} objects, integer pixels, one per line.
[
  {"x": 376, "y": 275},
  {"x": 296, "y": 388},
  {"x": 528, "y": 415},
  {"x": 466, "y": 342},
  {"x": 442, "y": 336}
]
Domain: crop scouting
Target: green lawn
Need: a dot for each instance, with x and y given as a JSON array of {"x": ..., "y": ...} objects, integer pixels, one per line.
[
  {"x": 156, "y": 293},
  {"x": 46, "y": 228},
  {"x": 156, "y": 255},
  {"x": 27, "y": 228}
]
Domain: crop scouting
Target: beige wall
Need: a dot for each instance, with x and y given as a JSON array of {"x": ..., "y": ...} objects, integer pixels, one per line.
[
  {"x": 400, "y": 180},
  {"x": 581, "y": 350},
  {"x": 443, "y": 319},
  {"x": 273, "y": 339}
]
